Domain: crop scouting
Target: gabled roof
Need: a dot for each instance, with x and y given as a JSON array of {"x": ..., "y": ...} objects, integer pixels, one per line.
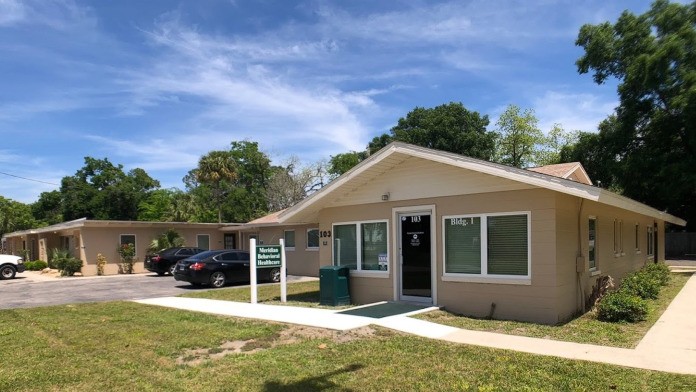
[
  {"x": 396, "y": 153},
  {"x": 570, "y": 171}
]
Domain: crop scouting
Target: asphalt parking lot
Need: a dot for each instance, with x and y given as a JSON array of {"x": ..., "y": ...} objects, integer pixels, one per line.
[{"x": 29, "y": 290}]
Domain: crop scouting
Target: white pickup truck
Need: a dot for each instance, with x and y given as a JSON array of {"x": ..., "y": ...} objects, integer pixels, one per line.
[{"x": 10, "y": 265}]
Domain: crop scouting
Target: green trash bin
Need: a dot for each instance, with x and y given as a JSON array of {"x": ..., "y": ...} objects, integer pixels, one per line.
[{"x": 333, "y": 285}]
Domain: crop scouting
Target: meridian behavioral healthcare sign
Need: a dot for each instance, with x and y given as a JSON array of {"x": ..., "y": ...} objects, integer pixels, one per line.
[{"x": 268, "y": 256}]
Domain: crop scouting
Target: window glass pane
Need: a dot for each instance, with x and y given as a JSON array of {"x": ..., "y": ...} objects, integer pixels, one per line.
[
  {"x": 507, "y": 245},
  {"x": 463, "y": 245},
  {"x": 290, "y": 238},
  {"x": 127, "y": 239},
  {"x": 592, "y": 239},
  {"x": 374, "y": 246},
  {"x": 345, "y": 246},
  {"x": 313, "y": 238},
  {"x": 203, "y": 241}
]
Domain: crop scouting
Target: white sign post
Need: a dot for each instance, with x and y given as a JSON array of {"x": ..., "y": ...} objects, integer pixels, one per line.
[
  {"x": 252, "y": 269},
  {"x": 266, "y": 256}
]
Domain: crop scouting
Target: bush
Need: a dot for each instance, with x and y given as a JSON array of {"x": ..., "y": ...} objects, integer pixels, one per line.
[
  {"x": 36, "y": 265},
  {"x": 641, "y": 283},
  {"x": 622, "y": 306},
  {"x": 659, "y": 271},
  {"x": 66, "y": 264},
  {"x": 101, "y": 263}
]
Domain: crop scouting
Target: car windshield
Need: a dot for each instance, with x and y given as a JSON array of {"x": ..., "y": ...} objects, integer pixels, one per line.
[{"x": 203, "y": 255}]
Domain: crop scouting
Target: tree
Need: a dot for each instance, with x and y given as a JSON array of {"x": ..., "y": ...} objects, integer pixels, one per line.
[
  {"x": 101, "y": 190},
  {"x": 48, "y": 209},
  {"x": 653, "y": 58},
  {"x": 341, "y": 163},
  {"x": 291, "y": 183},
  {"x": 554, "y": 142},
  {"x": 217, "y": 170},
  {"x": 519, "y": 138},
  {"x": 15, "y": 216},
  {"x": 216, "y": 195},
  {"x": 450, "y": 127}
]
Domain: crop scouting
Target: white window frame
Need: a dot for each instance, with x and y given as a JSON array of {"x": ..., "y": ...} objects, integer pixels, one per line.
[
  {"x": 198, "y": 243},
  {"x": 285, "y": 239},
  {"x": 637, "y": 239},
  {"x": 592, "y": 218},
  {"x": 484, "y": 277},
  {"x": 618, "y": 238},
  {"x": 358, "y": 241},
  {"x": 312, "y": 248},
  {"x": 135, "y": 242},
  {"x": 651, "y": 242}
]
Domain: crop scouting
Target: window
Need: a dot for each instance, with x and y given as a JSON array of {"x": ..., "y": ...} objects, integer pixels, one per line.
[
  {"x": 203, "y": 241},
  {"x": 592, "y": 243},
  {"x": 618, "y": 237},
  {"x": 312, "y": 238},
  {"x": 128, "y": 239},
  {"x": 487, "y": 245},
  {"x": 651, "y": 241},
  {"x": 637, "y": 236},
  {"x": 361, "y": 246},
  {"x": 289, "y": 239}
]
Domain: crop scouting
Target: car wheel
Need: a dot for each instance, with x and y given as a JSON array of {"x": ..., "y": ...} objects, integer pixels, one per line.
[
  {"x": 217, "y": 279},
  {"x": 172, "y": 268},
  {"x": 274, "y": 275},
  {"x": 7, "y": 272}
]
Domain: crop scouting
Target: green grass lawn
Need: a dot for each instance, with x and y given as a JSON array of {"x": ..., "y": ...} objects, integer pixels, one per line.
[
  {"x": 124, "y": 346},
  {"x": 584, "y": 329}
]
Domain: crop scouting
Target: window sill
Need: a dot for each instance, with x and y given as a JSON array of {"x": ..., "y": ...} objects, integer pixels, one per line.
[
  {"x": 312, "y": 249},
  {"x": 287, "y": 248},
  {"x": 370, "y": 274},
  {"x": 595, "y": 273},
  {"x": 638, "y": 252},
  {"x": 525, "y": 281}
]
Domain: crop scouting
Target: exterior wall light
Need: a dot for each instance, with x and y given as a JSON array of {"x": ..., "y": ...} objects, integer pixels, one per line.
[{"x": 385, "y": 196}]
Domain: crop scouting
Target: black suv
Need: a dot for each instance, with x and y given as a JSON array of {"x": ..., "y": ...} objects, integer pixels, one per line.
[{"x": 165, "y": 261}]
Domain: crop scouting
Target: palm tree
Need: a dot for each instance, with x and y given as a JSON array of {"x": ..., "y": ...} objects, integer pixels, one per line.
[{"x": 215, "y": 170}]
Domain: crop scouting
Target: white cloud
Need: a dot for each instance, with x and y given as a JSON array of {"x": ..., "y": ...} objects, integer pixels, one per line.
[
  {"x": 11, "y": 12},
  {"x": 579, "y": 111},
  {"x": 57, "y": 14}
]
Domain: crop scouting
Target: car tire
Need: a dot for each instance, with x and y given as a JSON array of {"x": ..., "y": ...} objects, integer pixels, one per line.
[
  {"x": 171, "y": 269},
  {"x": 274, "y": 275},
  {"x": 7, "y": 272},
  {"x": 217, "y": 279}
]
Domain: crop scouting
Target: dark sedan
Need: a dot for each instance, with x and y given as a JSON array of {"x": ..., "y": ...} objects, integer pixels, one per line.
[
  {"x": 219, "y": 267},
  {"x": 165, "y": 261}
]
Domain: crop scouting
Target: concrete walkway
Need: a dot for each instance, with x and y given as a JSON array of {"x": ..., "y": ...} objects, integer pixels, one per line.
[{"x": 669, "y": 346}]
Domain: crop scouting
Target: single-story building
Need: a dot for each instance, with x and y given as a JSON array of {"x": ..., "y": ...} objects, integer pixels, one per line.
[
  {"x": 85, "y": 239},
  {"x": 479, "y": 238}
]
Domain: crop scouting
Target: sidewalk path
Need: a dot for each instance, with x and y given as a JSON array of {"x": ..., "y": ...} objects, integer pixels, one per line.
[{"x": 669, "y": 346}]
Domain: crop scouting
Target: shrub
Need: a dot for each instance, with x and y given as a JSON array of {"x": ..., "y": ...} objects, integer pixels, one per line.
[
  {"x": 127, "y": 254},
  {"x": 66, "y": 264},
  {"x": 622, "y": 306},
  {"x": 659, "y": 271},
  {"x": 641, "y": 283},
  {"x": 36, "y": 265},
  {"x": 101, "y": 262}
]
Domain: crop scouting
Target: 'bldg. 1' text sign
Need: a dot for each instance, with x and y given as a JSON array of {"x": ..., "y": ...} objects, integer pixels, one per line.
[{"x": 268, "y": 256}]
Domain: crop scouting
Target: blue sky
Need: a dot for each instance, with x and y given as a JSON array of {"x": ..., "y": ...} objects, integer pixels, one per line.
[{"x": 156, "y": 84}]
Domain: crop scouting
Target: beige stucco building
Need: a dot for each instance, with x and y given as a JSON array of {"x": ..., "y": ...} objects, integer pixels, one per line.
[
  {"x": 479, "y": 238},
  {"x": 85, "y": 239}
]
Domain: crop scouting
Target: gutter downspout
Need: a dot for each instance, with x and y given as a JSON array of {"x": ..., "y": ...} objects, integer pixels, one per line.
[{"x": 581, "y": 291}]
